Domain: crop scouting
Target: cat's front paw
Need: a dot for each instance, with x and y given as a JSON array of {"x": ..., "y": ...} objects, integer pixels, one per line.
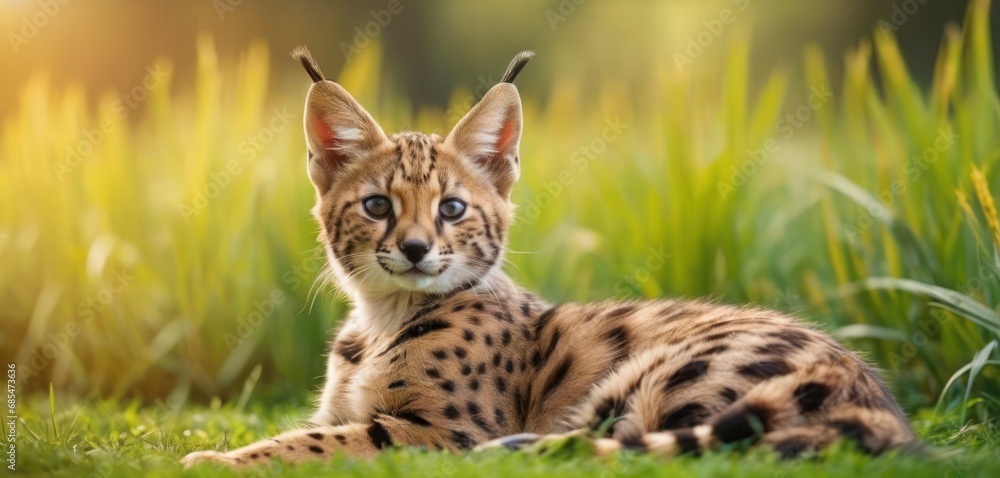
[{"x": 197, "y": 457}]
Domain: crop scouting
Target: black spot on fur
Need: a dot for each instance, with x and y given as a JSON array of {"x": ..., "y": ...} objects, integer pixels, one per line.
[
  {"x": 509, "y": 366},
  {"x": 557, "y": 376},
  {"x": 718, "y": 349},
  {"x": 340, "y": 439},
  {"x": 553, "y": 343},
  {"x": 501, "y": 384},
  {"x": 790, "y": 448},
  {"x": 433, "y": 373},
  {"x": 481, "y": 368},
  {"x": 739, "y": 423},
  {"x": 254, "y": 456},
  {"x": 496, "y": 359},
  {"x": 621, "y": 312},
  {"x": 499, "y": 417},
  {"x": 775, "y": 348},
  {"x": 423, "y": 312},
  {"x": 315, "y": 436},
  {"x": 686, "y": 441},
  {"x": 503, "y": 316},
  {"x": 412, "y": 417},
  {"x": 685, "y": 416},
  {"x": 618, "y": 340},
  {"x": 718, "y": 336},
  {"x": 474, "y": 384},
  {"x": 451, "y": 412},
  {"x": 536, "y": 358},
  {"x": 525, "y": 309},
  {"x": 505, "y": 337},
  {"x": 472, "y": 408},
  {"x": 440, "y": 354},
  {"x": 379, "y": 436},
  {"x": 418, "y": 330},
  {"x": 468, "y": 335},
  {"x": 397, "y": 384},
  {"x": 543, "y": 320},
  {"x": 315, "y": 449},
  {"x": 488, "y": 340},
  {"x": 633, "y": 442},
  {"x": 458, "y": 308},
  {"x": 688, "y": 373},
  {"x": 448, "y": 386},
  {"x": 350, "y": 349},
  {"x": 466, "y": 369},
  {"x": 460, "y": 352},
  {"x": 522, "y": 402},
  {"x": 811, "y": 396},
  {"x": 481, "y": 423},
  {"x": 765, "y": 369},
  {"x": 728, "y": 394},
  {"x": 462, "y": 440},
  {"x": 478, "y": 306},
  {"x": 851, "y": 429},
  {"x": 795, "y": 338}
]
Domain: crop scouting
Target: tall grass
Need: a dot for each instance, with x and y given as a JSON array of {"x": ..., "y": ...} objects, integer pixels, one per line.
[{"x": 702, "y": 186}]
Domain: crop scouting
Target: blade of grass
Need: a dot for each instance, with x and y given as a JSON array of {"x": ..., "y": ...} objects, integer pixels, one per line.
[
  {"x": 954, "y": 301},
  {"x": 52, "y": 412}
]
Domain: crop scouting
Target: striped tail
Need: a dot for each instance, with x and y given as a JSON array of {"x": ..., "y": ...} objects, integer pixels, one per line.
[{"x": 873, "y": 430}]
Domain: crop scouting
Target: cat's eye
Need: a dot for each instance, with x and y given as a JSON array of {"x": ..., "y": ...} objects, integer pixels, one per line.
[
  {"x": 452, "y": 209},
  {"x": 377, "y": 207}
]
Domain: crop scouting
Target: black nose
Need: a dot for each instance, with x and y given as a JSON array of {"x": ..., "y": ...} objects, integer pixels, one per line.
[{"x": 414, "y": 249}]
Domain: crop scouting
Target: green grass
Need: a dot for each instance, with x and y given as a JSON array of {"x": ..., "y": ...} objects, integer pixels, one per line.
[
  {"x": 119, "y": 283},
  {"x": 106, "y": 439}
]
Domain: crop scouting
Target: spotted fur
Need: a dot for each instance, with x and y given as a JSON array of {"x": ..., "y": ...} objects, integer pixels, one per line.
[{"x": 443, "y": 350}]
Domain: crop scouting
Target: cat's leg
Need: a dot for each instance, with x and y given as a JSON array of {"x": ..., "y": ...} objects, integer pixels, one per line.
[{"x": 356, "y": 439}]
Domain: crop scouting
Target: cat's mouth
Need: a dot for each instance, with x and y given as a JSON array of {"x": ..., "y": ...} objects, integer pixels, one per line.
[{"x": 415, "y": 272}]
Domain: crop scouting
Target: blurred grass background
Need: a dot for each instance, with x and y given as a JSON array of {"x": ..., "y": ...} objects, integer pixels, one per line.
[{"x": 155, "y": 238}]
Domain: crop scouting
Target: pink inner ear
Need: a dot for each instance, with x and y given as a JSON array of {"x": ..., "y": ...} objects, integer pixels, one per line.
[
  {"x": 322, "y": 132},
  {"x": 506, "y": 137}
]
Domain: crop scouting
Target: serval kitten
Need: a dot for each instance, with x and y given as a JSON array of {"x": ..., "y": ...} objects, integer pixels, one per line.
[{"x": 442, "y": 350}]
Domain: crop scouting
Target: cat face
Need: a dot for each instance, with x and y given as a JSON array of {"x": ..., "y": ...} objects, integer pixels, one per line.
[{"x": 411, "y": 211}]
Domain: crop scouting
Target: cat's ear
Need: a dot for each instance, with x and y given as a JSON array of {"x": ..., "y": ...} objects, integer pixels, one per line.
[
  {"x": 338, "y": 129},
  {"x": 488, "y": 137}
]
